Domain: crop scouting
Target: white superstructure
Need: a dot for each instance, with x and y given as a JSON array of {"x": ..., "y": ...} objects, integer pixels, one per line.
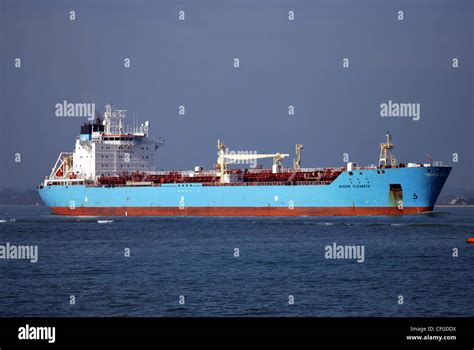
[{"x": 107, "y": 147}]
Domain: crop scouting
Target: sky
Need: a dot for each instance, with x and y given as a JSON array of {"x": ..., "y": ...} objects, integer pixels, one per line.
[{"x": 283, "y": 63}]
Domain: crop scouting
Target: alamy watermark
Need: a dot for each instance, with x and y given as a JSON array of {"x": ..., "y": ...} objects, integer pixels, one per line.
[
  {"x": 19, "y": 252},
  {"x": 395, "y": 109},
  {"x": 345, "y": 252},
  {"x": 67, "y": 109},
  {"x": 37, "y": 333},
  {"x": 252, "y": 162}
]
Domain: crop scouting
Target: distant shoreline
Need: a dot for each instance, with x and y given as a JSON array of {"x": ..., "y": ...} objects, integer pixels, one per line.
[
  {"x": 454, "y": 206},
  {"x": 23, "y": 205}
]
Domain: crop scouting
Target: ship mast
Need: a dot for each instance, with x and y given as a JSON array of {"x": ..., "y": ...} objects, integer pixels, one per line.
[
  {"x": 297, "y": 160},
  {"x": 386, "y": 156},
  {"x": 113, "y": 120}
]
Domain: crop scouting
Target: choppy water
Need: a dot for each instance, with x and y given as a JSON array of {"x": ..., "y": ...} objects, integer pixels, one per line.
[{"x": 410, "y": 256}]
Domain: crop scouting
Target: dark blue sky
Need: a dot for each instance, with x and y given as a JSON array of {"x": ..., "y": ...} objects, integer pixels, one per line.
[{"x": 190, "y": 63}]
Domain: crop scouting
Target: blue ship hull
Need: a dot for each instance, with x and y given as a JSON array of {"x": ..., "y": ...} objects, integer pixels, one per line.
[{"x": 391, "y": 191}]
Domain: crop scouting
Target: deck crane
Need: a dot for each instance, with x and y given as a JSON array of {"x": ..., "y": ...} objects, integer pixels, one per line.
[{"x": 224, "y": 159}]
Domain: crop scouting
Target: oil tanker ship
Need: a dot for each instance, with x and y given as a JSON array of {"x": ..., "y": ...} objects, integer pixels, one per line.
[{"x": 111, "y": 173}]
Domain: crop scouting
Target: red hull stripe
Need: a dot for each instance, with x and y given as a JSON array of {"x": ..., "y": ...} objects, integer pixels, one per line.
[{"x": 238, "y": 211}]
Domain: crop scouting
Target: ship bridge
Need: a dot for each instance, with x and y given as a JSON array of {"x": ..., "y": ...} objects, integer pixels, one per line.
[{"x": 108, "y": 147}]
